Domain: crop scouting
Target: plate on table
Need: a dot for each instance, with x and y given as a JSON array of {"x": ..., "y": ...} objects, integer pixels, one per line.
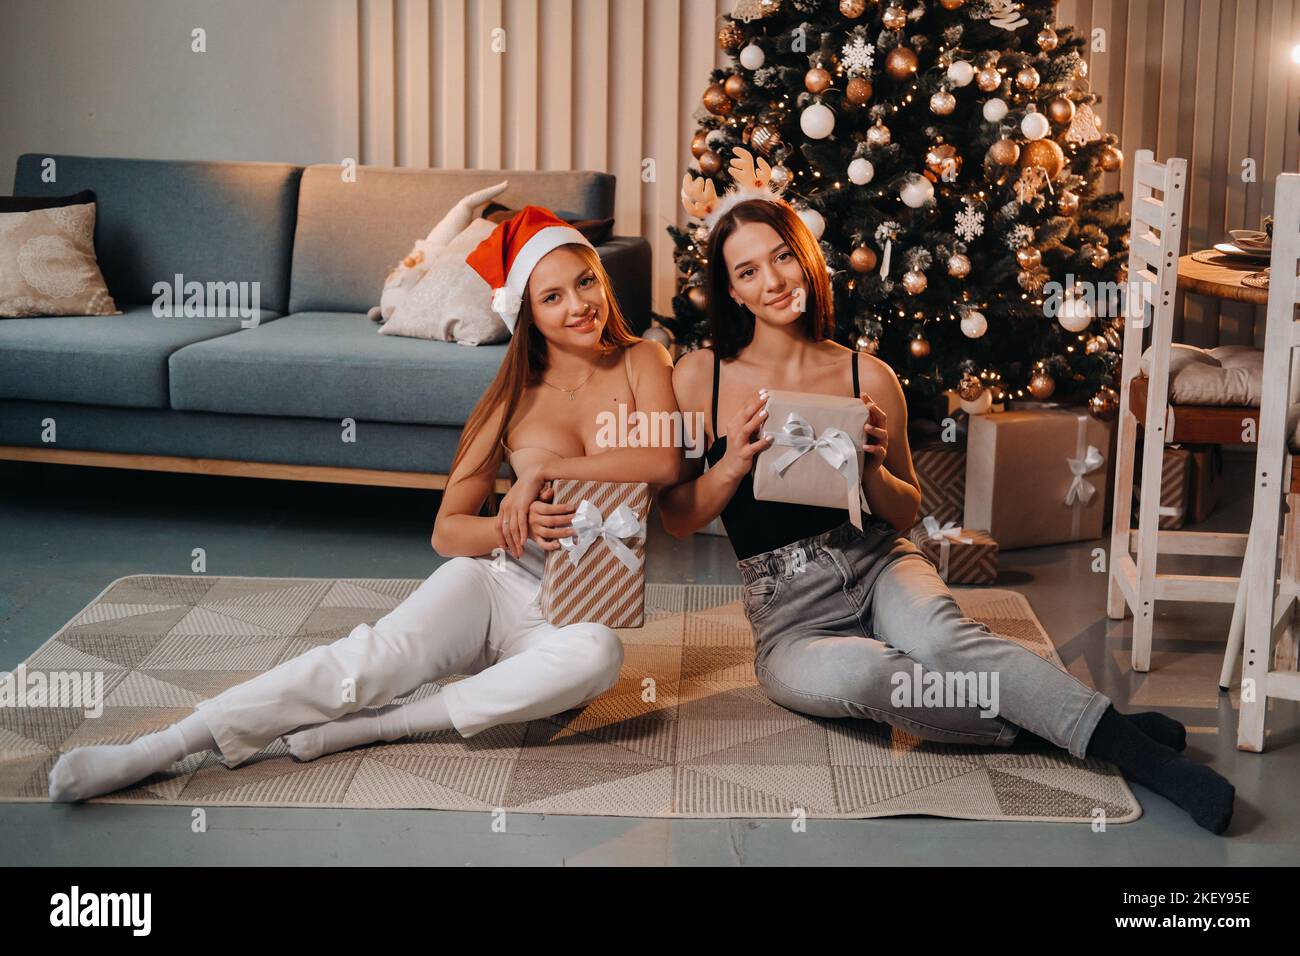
[{"x": 1241, "y": 252}]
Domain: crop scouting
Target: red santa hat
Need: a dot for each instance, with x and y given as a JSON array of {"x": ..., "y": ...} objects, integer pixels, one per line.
[{"x": 507, "y": 258}]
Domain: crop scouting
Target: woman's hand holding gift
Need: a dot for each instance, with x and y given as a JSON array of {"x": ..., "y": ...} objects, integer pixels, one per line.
[
  {"x": 548, "y": 522},
  {"x": 513, "y": 516},
  {"x": 877, "y": 428}
]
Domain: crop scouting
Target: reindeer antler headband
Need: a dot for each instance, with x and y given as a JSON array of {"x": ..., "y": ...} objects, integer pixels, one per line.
[{"x": 701, "y": 200}]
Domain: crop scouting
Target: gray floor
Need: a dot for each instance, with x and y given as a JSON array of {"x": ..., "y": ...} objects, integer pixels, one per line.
[{"x": 65, "y": 533}]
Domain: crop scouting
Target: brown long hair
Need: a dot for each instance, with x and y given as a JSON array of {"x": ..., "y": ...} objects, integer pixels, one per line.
[
  {"x": 732, "y": 325},
  {"x": 525, "y": 362}
]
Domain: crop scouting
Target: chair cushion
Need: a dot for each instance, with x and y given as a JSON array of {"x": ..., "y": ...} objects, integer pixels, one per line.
[
  {"x": 333, "y": 365},
  {"x": 351, "y": 234},
  {"x": 99, "y": 359},
  {"x": 1228, "y": 375},
  {"x": 208, "y": 221}
]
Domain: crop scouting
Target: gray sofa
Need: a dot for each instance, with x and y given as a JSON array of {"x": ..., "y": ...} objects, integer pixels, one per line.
[{"x": 205, "y": 394}]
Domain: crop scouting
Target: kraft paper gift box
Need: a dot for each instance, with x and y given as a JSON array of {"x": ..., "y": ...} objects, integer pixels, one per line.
[
  {"x": 598, "y": 573},
  {"x": 1039, "y": 476},
  {"x": 816, "y": 456},
  {"x": 962, "y": 555}
]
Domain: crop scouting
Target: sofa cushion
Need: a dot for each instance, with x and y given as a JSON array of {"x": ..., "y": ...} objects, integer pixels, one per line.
[
  {"x": 333, "y": 365},
  {"x": 207, "y": 221},
  {"x": 99, "y": 359},
  {"x": 351, "y": 234}
]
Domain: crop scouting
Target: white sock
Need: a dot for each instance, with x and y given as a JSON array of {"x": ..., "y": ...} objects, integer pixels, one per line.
[
  {"x": 371, "y": 724},
  {"x": 86, "y": 772}
]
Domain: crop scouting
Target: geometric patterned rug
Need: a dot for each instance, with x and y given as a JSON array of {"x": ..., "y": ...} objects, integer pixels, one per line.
[{"x": 708, "y": 744}]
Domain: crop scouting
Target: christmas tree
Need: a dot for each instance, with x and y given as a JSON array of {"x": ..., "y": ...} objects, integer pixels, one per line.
[{"x": 947, "y": 155}]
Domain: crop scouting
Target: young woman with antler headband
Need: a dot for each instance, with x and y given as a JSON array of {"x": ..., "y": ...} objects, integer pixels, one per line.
[{"x": 839, "y": 615}]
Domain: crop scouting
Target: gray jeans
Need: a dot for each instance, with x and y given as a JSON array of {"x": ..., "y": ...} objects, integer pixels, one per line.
[{"x": 856, "y": 623}]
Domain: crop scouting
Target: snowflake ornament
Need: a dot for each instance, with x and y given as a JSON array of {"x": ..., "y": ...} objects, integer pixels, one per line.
[
  {"x": 1020, "y": 235},
  {"x": 857, "y": 56},
  {"x": 970, "y": 222}
]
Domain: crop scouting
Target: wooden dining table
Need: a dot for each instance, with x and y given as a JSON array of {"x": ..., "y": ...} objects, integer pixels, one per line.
[{"x": 1221, "y": 279}]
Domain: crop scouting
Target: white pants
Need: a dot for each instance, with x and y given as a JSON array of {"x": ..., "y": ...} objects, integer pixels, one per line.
[{"x": 472, "y": 616}]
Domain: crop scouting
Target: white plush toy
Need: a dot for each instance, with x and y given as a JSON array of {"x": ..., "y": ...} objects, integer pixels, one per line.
[{"x": 412, "y": 269}]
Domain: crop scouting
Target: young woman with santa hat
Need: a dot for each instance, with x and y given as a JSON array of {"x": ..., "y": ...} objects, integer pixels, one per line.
[
  {"x": 571, "y": 357},
  {"x": 842, "y": 617}
]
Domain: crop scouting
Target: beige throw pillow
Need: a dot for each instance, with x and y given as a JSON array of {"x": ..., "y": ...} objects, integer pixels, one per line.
[
  {"x": 451, "y": 302},
  {"x": 48, "y": 266}
]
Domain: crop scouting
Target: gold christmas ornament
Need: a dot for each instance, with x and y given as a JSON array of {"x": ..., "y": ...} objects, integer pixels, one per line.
[
  {"x": 858, "y": 91},
  {"x": 698, "y": 297},
  {"x": 716, "y": 100},
  {"x": 852, "y": 8},
  {"x": 1060, "y": 110},
  {"x": 1045, "y": 153},
  {"x": 1027, "y": 78},
  {"x": 1114, "y": 339},
  {"x": 867, "y": 343},
  {"x": 1047, "y": 39},
  {"x": 919, "y": 347},
  {"x": 862, "y": 258},
  {"x": 914, "y": 282},
  {"x": 942, "y": 161},
  {"x": 1067, "y": 202},
  {"x": 878, "y": 135},
  {"x": 1104, "y": 404},
  {"x": 970, "y": 387},
  {"x": 988, "y": 79},
  {"x": 1005, "y": 152},
  {"x": 958, "y": 265},
  {"x": 1096, "y": 345},
  {"x": 901, "y": 62},
  {"x": 1029, "y": 257},
  {"x": 951, "y": 4},
  {"x": 1041, "y": 385},
  {"x": 730, "y": 37},
  {"x": 764, "y": 138},
  {"x": 710, "y": 163},
  {"x": 816, "y": 80},
  {"x": 943, "y": 103},
  {"x": 734, "y": 86},
  {"x": 894, "y": 17},
  {"x": 699, "y": 143},
  {"x": 1111, "y": 158}
]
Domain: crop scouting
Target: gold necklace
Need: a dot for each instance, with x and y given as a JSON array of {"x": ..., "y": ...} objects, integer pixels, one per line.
[{"x": 571, "y": 391}]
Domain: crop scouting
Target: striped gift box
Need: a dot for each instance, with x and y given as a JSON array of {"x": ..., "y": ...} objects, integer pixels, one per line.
[
  {"x": 941, "y": 472},
  {"x": 599, "y": 587},
  {"x": 1175, "y": 487},
  {"x": 973, "y": 563}
]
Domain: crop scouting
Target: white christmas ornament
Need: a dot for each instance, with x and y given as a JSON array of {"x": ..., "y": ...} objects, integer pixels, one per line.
[
  {"x": 817, "y": 121},
  {"x": 979, "y": 405},
  {"x": 1035, "y": 125},
  {"x": 916, "y": 191},
  {"x": 973, "y": 325},
  {"x": 995, "y": 110},
  {"x": 752, "y": 57},
  {"x": 1075, "y": 314},
  {"x": 970, "y": 222},
  {"x": 814, "y": 221},
  {"x": 861, "y": 171},
  {"x": 961, "y": 73}
]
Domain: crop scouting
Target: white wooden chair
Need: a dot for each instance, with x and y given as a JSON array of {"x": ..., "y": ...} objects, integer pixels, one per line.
[
  {"x": 1135, "y": 584},
  {"x": 1269, "y": 606}
]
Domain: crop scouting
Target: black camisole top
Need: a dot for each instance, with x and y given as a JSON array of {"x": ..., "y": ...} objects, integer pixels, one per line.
[{"x": 754, "y": 526}]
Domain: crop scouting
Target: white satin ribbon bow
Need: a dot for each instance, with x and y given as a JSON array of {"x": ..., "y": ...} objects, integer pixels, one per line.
[
  {"x": 833, "y": 444},
  {"x": 946, "y": 535},
  {"x": 1081, "y": 489},
  {"x": 589, "y": 524}
]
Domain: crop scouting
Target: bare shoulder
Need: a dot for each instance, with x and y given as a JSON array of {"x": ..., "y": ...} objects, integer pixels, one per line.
[
  {"x": 648, "y": 354},
  {"x": 692, "y": 378},
  {"x": 876, "y": 375}
]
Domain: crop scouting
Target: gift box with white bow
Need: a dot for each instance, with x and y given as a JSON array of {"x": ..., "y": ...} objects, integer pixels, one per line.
[
  {"x": 962, "y": 555},
  {"x": 598, "y": 573},
  {"x": 816, "y": 455},
  {"x": 1039, "y": 476}
]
